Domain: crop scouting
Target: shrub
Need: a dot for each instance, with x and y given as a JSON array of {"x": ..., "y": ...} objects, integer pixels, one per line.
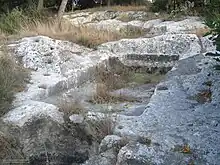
[
  {"x": 11, "y": 22},
  {"x": 212, "y": 20},
  {"x": 128, "y": 2},
  {"x": 71, "y": 107},
  {"x": 9, "y": 148},
  {"x": 101, "y": 125},
  {"x": 159, "y": 5},
  {"x": 214, "y": 24},
  {"x": 12, "y": 79}
]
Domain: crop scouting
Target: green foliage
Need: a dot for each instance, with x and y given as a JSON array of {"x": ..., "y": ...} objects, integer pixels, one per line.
[
  {"x": 128, "y": 2},
  {"x": 212, "y": 20},
  {"x": 11, "y": 22},
  {"x": 159, "y": 5}
]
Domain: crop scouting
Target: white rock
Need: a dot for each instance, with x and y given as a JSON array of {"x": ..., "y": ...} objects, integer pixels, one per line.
[
  {"x": 185, "y": 26},
  {"x": 32, "y": 110},
  {"x": 69, "y": 66},
  {"x": 76, "y": 118}
]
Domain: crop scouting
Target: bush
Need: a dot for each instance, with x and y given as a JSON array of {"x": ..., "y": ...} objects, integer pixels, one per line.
[
  {"x": 11, "y": 22},
  {"x": 128, "y": 2},
  {"x": 212, "y": 20},
  {"x": 214, "y": 24},
  {"x": 12, "y": 79},
  {"x": 159, "y": 5}
]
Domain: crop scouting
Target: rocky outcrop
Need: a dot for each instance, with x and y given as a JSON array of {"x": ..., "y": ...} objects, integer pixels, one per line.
[
  {"x": 181, "y": 118},
  {"x": 42, "y": 130},
  {"x": 160, "y": 51},
  {"x": 123, "y": 21},
  {"x": 173, "y": 122}
]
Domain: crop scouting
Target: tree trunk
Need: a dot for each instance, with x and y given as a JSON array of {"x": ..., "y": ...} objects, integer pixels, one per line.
[
  {"x": 109, "y": 3},
  {"x": 40, "y": 4},
  {"x": 31, "y": 4},
  {"x": 62, "y": 8}
]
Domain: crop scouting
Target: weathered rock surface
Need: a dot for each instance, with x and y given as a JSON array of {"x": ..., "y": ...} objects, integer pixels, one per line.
[
  {"x": 120, "y": 21},
  {"x": 179, "y": 115},
  {"x": 188, "y": 25},
  {"x": 160, "y": 51}
]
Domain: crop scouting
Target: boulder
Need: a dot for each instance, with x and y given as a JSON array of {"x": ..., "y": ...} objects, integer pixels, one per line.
[
  {"x": 156, "y": 52},
  {"x": 188, "y": 25}
]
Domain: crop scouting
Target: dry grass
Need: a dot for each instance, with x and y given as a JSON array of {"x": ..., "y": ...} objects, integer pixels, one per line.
[
  {"x": 118, "y": 8},
  {"x": 150, "y": 16},
  {"x": 200, "y": 32},
  {"x": 118, "y": 77},
  {"x": 12, "y": 80},
  {"x": 87, "y": 36},
  {"x": 8, "y": 149},
  {"x": 99, "y": 127},
  {"x": 71, "y": 107}
]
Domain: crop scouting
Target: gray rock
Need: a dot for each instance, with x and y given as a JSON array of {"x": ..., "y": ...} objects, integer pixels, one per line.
[
  {"x": 135, "y": 153},
  {"x": 43, "y": 139},
  {"x": 31, "y": 110},
  {"x": 157, "y": 52},
  {"x": 111, "y": 142},
  {"x": 175, "y": 117},
  {"x": 151, "y": 23},
  {"x": 189, "y": 25}
]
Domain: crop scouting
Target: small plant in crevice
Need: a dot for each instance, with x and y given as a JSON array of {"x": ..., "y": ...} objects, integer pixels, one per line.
[
  {"x": 185, "y": 149},
  {"x": 144, "y": 140}
]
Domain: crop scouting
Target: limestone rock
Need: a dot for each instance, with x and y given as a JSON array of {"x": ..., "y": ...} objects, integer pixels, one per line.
[
  {"x": 32, "y": 110},
  {"x": 110, "y": 142},
  {"x": 188, "y": 25},
  {"x": 175, "y": 116},
  {"x": 136, "y": 153}
]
